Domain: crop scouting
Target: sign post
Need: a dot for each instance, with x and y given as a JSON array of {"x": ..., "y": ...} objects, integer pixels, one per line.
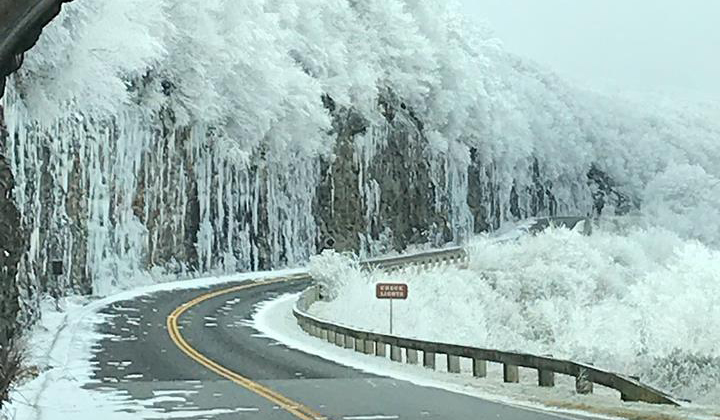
[{"x": 391, "y": 291}]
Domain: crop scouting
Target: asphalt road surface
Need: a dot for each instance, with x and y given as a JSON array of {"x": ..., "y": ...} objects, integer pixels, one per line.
[{"x": 250, "y": 376}]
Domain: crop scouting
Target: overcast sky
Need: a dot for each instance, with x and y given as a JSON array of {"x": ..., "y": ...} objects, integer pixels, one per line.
[{"x": 667, "y": 46}]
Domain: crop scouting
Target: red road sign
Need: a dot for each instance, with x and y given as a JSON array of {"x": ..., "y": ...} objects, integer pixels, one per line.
[{"x": 391, "y": 291}]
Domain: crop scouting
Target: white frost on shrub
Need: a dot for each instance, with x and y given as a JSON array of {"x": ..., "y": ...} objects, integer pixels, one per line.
[
  {"x": 334, "y": 272},
  {"x": 645, "y": 303},
  {"x": 685, "y": 199}
]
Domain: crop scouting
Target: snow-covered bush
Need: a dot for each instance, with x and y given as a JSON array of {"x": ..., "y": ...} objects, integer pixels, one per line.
[
  {"x": 646, "y": 302},
  {"x": 685, "y": 199},
  {"x": 334, "y": 272}
]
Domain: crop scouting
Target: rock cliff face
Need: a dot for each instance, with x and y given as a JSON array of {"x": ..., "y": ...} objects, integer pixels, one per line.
[
  {"x": 21, "y": 23},
  {"x": 385, "y": 189},
  {"x": 12, "y": 246},
  {"x": 127, "y": 163},
  {"x": 116, "y": 199},
  {"x": 378, "y": 193}
]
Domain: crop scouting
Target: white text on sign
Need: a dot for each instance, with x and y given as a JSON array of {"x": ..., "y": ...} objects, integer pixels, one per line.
[{"x": 391, "y": 291}]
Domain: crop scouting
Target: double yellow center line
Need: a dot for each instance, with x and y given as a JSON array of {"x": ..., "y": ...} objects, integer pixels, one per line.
[{"x": 298, "y": 410}]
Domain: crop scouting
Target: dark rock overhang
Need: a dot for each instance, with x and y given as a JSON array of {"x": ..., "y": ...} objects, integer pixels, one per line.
[{"x": 21, "y": 23}]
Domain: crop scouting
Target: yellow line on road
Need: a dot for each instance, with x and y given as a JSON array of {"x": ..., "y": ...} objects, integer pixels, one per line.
[{"x": 295, "y": 408}]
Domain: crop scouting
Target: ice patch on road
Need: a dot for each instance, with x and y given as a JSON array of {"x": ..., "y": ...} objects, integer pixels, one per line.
[
  {"x": 186, "y": 392},
  {"x": 163, "y": 399},
  {"x": 202, "y": 414}
]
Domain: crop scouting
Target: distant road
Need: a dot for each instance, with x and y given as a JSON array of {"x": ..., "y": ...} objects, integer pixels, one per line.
[{"x": 222, "y": 368}]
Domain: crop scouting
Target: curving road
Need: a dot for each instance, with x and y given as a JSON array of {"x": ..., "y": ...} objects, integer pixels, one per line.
[{"x": 202, "y": 360}]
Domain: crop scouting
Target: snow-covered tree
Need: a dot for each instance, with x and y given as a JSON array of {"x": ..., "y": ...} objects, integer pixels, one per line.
[{"x": 685, "y": 199}]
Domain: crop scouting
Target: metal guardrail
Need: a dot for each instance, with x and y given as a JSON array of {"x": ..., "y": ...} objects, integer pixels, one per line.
[
  {"x": 455, "y": 255},
  {"x": 458, "y": 255},
  {"x": 631, "y": 389}
]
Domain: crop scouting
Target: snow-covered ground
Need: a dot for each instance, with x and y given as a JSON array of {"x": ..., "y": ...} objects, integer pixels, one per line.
[
  {"x": 274, "y": 319},
  {"x": 644, "y": 302},
  {"x": 60, "y": 347}
]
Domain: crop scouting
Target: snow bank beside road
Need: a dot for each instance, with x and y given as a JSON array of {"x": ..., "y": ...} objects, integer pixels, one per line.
[{"x": 645, "y": 303}]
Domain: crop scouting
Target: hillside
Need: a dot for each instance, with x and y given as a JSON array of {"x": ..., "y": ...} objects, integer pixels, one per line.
[{"x": 154, "y": 139}]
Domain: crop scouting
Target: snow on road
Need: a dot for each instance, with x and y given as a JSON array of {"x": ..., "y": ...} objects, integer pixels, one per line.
[{"x": 61, "y": 347}]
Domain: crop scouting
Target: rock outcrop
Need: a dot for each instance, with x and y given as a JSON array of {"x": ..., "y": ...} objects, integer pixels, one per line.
[
  {"x": 114, "y": 200},
  {"x": 21, "y": 23},
  {"x": 138, "y": 181},
  {"x": 13, "y": 244}
]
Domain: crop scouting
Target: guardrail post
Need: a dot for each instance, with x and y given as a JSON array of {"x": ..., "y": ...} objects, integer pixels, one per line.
[
  {"x": 323, "y": 334},
  {"x": 380, "y": 349},
  {"x": 359, "y": 345},
  {"x": 546, "y": 378},
  {"x": 628, "y": 397},
  {"x": 630, "y": 394},
  {"x": 349, "y": 342},
  {"x": 479, "y": 368},
  {"x": 395, "y": 353},
  {"x": 411, "y": 356},
  {"x": 369, "y": 347},
  {"x": 511, "y": 373},
  {"x": 340, "y": 340},
  {"x": 636, "y": 394},
  {"x": 331, "y": 337},
  {"x": 453, "y": 364},
  {"x": 429, "y": 359},
  {"x": 583, "y": 385}
]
